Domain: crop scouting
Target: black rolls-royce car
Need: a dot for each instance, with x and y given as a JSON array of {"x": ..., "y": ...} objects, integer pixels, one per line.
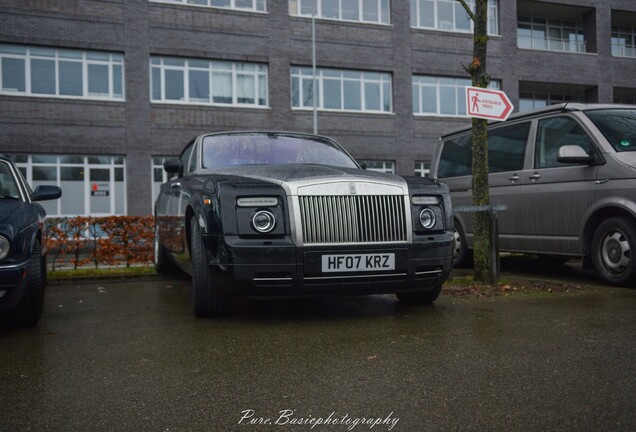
[
  {"x": 22, "y": 246},
  {"x": 270, "y": 214}
]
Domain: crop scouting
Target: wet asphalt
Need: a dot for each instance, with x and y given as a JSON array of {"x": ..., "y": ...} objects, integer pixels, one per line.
[{"x": 129, "y": 356}]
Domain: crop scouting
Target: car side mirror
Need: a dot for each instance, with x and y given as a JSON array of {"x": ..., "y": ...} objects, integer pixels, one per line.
[
  {"x": 45, "y": 193},
  {"x": 173, "y": 166},
  {"x": 573, "y": 154}
]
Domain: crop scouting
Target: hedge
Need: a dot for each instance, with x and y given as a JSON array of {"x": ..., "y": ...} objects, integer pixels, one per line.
[{"x": 100, "y": 241}]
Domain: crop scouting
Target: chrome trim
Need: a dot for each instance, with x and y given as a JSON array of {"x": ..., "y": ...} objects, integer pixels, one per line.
[
  {"x": 262, "y": 279},
  {"x": 352, "y": 219},
  {"x": 355, "y": 276},
  {"x": 429, "y": 272}
]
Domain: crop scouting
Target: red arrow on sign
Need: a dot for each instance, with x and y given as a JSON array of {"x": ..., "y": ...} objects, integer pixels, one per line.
[{"x": 487, "y": 103}]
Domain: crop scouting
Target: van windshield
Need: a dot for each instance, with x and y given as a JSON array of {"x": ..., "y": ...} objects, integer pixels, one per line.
[{"x": 617, "y": 125}]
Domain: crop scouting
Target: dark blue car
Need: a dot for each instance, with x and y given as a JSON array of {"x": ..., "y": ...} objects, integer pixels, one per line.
[{"x": 22, "y": 246}]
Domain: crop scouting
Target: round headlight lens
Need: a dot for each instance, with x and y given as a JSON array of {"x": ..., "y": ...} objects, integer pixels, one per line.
[
  {"x": 4, "y": 247},
  {"x": 263, "y": 221},
  {"x": 427, "y": 218}
]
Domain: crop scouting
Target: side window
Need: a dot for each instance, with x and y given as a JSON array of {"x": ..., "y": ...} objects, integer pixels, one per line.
[
  {"x": 456, "y": 157},
  {"x": 506, "y": 151},
  {"x": 507, "y": 147},
  {"x": 554, "y": 133},
  {"x": 185, "y": 157},
  {"x": 193, "y": 159}
]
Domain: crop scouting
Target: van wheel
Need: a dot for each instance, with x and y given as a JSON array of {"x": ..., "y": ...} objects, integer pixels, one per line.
[
  {"x": 613, "y": 248},
  {"x": 207, "y": 300},
  {"x": 462, "y": 256}
]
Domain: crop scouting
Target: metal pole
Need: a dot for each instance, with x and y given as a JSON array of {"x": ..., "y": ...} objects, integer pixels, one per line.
[{"x": 313, "y": 67}]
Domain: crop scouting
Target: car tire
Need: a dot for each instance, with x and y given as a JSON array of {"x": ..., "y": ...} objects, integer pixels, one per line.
[
  {"x": 614, "y": 251},
  {"x": 420, "y": 297},
  {"x": 163, "y": 264},
  {"x": 462, "y": 256},
  {"x": 28, "y": 312},
  {"x": 207, "y": 300}
]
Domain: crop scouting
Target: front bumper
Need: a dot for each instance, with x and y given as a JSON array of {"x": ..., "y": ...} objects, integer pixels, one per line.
[
  {"x": 278, "y": 268},
  {"x": 12, "y": 286}
]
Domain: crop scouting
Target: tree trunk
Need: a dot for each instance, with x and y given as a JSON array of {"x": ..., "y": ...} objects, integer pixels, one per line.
[{"x": 481, "y": 196}]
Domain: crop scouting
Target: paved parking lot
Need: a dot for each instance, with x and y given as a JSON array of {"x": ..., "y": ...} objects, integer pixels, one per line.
[{"x": 129, "y": 357}]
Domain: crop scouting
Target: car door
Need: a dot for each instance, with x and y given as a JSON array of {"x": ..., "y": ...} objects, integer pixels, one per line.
[
  {"x": 506, "y": 155},
  {"x": 174, "y": 225},
  {"x": 556, "y": 196},
  {"x": 506, "y": 159}
]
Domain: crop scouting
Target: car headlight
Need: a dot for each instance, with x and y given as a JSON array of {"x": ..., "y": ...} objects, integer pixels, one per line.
[
  {"x": 260, "y": 215},
  {"x": 263, "y": 221},
  {"x": 4, "y": 247},
  {"x": 427, "y": 218}
]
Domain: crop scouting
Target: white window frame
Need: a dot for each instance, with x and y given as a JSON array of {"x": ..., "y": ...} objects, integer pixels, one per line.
[
  {"x": 438, "y": 83},
  {"x": 114, "y": 60},
  {"x": 530, "y": 100},
  {"x": 416, "y": 5},
  {"x": 383, "y": 166},
  {"x": 306, "y": 8},
  {"x": 422, "y": 168},
  {"x": 259, "y": 76},
  {"x": 257, "y": 5},
  {"x": 577, "y": 46},
  {"x": 86, "y": 165},
  {"x": 619, "y": 47},
  {"x": 381, "y": 79}
]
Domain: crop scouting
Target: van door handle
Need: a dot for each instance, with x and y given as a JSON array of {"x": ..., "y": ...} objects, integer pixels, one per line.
[
  {"x": 535, "y": 176},
  {"x": 515, "y": 178}
]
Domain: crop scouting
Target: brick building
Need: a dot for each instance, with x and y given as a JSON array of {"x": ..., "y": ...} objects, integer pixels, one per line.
[{"x": 94, "y": 93}]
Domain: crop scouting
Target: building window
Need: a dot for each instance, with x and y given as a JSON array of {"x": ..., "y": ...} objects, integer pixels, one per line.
[
  {"x": 422, "y": 168},
  {"x": 341, "y": 90},
  {"x": 51, "y": 72},
  {"x": 247, "y": 5},
  {"x": 624, "y": 41},
  {"x": 379, "y": 166},
  {"x": 551, "y": 35},
  {"x": 91, "y": 185},
  {"x": 533, "y": 100},
  {"x": 440, "y": 96},
  {"x": 368, "y": 11},
  {"x": 450, "y": 15},
  {"x": 208, "y": 82},
  {"x": 625, "y": 95}
]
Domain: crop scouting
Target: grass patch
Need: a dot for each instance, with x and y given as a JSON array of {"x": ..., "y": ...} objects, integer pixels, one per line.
[{"x": 88, "y": 273}]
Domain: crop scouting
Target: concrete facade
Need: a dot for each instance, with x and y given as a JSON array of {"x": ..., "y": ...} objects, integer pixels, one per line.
[{"x": 138, "y": 129}]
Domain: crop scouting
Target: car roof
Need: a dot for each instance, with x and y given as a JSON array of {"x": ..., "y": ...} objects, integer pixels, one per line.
[{"x": 539, "y": 112}]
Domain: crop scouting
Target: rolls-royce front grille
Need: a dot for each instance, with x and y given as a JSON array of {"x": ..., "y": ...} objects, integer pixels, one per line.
[{"x": 353, "y": 219}]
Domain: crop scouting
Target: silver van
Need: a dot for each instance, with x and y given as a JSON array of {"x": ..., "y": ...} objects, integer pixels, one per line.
[{"x": 567, "y": 174}]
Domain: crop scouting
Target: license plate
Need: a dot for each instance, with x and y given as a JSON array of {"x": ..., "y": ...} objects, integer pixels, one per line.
[{"x": 358, "y": 262}]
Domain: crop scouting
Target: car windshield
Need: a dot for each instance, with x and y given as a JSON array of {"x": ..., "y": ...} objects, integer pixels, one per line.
[
  {"x": 271, "y": 149},
  {"x": 8, "y": 185},
  {"x": 618, "y": 126}
]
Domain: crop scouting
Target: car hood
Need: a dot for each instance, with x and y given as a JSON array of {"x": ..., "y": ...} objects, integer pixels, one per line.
[
  {"x": 628, "y": 158},
  {"x": 294, "y": 177},
  {"x": 8, "y": 207}
]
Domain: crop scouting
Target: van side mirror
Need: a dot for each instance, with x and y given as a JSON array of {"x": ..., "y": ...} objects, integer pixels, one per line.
[
  {"x": 173, "y": 166},
  {"x": 573, "y": 154}
]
